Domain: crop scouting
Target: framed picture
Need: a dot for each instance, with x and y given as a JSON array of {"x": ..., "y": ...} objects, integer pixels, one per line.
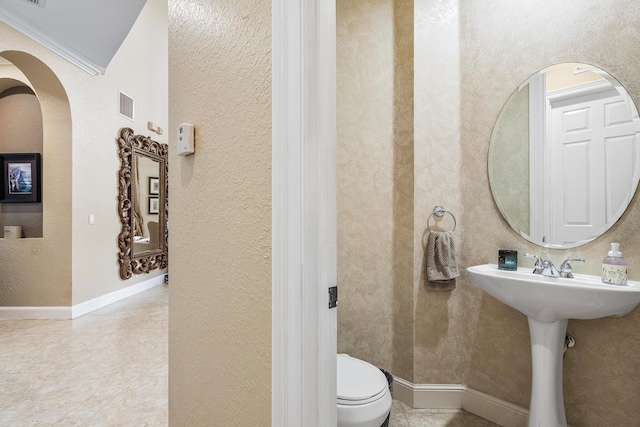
[
  {"x": 154, "y": 205},
  {"x": 154, "y": 185},
  {"x": 21, "y": 178}
]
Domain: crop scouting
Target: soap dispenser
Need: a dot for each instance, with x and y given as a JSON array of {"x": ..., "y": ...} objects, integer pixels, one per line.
[{"x": 614, "y": 267}]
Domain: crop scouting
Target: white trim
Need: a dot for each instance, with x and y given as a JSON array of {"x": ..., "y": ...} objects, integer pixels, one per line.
[
  {"x": 21, "y": 25},
  {"x": 303, "y": 215},
  {"x": 324, "y": 191},
  {"x": 584, "y": 89},
  {"x": 287, "y": 332},
  {"x": 104, "y": 300},
  {"x": 456, "y": 396},
  {"x": 537, "y": 148},
  {"x": 493, "y": 409},
  {"x": 67, "y": 313}
]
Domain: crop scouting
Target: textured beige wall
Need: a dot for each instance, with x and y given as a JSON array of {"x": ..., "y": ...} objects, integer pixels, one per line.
[
  {"x": 375, "y": 182},
  {"x": 440, "y": 317},
  {"x": 73, "y": 261},
  {"x": 220, "y": 263},
  {"x": 140, "y": 69},
  {"x": 509, "y": 152},
  {"x": 365, "y": 197},
  {"x": 562, "y": 75},
  {"x": 388, "y": 184},
  {"x": 503, "y": 42},
  {"x": 403, "y": 189}
]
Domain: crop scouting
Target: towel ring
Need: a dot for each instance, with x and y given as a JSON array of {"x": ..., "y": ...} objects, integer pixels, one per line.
[{"x": 440, "y": 211}]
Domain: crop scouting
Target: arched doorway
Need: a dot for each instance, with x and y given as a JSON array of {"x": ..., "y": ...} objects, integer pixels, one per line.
[{"x": 46, "y": 259}]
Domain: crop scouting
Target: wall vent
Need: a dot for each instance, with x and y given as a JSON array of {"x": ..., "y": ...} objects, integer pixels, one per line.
[
  {"x": 126, "y": 106},
  {"x": 40, "y": 3}
]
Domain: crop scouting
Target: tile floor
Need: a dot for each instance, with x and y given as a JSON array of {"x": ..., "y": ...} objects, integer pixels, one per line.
[
  {"x": 109, "y": 368},
  {"x": 404, "y": 416}
]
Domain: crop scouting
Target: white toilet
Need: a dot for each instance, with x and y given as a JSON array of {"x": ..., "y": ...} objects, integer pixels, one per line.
[{"x": 364, "y": 398}]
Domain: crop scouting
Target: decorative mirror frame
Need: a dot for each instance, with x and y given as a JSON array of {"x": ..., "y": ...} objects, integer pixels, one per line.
[{"x": 130, "y": 145}]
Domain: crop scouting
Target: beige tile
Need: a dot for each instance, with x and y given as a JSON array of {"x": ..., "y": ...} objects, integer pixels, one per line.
[
  {"x": 443, "y": 418},
  {"x": 398, "y": 420},
  {"x": 129, "y": 418},
  {"x": 46, "y": 418},
  {"x": 106, "y": 368}
]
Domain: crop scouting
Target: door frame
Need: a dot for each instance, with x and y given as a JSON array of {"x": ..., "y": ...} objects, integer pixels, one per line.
[{"x": 304, "y": 261}]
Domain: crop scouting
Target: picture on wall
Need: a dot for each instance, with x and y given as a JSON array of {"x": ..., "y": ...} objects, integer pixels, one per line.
[
  {"x": 154, "y": 185},
  {"x": 154, "y": 205},
  {"x": 21, "y": 178}
]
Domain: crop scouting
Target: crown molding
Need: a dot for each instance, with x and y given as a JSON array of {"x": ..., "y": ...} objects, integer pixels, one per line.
[{"x": 37, "y": 34}]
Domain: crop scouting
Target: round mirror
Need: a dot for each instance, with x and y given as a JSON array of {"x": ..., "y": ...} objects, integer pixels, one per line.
[{"x": 564, "y": 157}]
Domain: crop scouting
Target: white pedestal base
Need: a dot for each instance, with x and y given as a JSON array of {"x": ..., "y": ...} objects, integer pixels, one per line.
[{"x": 547, "y": 347}]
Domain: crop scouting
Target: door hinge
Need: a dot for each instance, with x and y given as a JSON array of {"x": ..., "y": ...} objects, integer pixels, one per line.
[{"x": 333, "y": 296}]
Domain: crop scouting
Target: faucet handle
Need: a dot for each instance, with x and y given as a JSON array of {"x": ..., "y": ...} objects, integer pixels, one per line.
[
  {"x": 565, "y": 268},
  {"x": 538, "y": 265},
  {"x": 538, "y": 259}
]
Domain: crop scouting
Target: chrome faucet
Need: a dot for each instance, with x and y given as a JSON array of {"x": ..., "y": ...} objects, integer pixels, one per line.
[
  {"x": 548, "y": 269},
  {"x": 565, "y": 268},
  {"x": 537, "y": 268},
  {"x": 545, "y": 268}
]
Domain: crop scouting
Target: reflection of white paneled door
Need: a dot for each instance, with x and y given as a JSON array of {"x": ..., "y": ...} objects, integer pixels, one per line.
[{"x": 593, "y": 147}]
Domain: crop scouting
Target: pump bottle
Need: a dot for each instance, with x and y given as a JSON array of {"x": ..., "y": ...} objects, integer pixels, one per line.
[{"x": 614, "y": 267}]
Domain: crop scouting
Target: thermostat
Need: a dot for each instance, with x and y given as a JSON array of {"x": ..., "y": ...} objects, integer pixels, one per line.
[{"x": 186, "y": 139}]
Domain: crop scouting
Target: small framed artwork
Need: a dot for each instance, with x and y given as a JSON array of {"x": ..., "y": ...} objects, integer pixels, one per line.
[
  {"x": 21, "y": 178},
  {"x": 154, "y": 205},
  {"x": 154, "y": 185}
]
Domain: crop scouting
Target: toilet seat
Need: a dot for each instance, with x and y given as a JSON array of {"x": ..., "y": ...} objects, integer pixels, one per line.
[
  {"x": 352, "y": 402},
  {"x": 364, "y": 398},
  {"x": 359, "y": 382}
]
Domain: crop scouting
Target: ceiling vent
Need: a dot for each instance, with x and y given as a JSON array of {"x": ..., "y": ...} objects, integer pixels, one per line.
[
  {"x": 40, "y": 3},
  {"x": 126, "y": 106}
]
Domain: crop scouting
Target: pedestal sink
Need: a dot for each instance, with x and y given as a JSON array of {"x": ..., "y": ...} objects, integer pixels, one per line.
[{"x": 548, "y": 303}]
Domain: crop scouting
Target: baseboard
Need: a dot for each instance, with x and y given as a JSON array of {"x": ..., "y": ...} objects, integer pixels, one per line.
[
  {"x": 104, "y": 300},
  {"x": 66, "y": 313},
  {"x": 454, "y": 396},
  {"x": 428, "y": 396},
  {"x": 495, "y": 410}
]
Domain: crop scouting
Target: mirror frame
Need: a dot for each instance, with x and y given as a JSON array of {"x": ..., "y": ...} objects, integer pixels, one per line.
[{"x": 130, "y": 145}]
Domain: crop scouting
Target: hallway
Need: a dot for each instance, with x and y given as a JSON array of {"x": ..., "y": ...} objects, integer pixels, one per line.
[{"x": 107, "y": 368}]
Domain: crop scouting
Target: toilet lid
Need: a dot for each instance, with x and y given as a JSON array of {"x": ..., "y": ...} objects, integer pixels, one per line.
[{"x": 358, "y": 380}]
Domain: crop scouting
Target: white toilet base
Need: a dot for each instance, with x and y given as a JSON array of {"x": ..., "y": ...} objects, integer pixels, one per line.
[{"x": 371, "y": 414}]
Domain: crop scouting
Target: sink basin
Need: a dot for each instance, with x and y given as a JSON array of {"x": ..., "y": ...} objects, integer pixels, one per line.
[
  {"x": 549, "y": 303},
  {"x": 554, "y": 298}
]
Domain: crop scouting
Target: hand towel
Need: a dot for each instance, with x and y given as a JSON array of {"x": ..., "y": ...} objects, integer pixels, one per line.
[{"x": 442, "y": 266}]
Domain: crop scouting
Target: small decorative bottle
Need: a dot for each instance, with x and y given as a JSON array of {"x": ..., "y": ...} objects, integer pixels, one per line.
[{"x": 614, "y": 267}]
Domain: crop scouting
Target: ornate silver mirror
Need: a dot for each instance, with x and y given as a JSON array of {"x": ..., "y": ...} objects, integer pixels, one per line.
[
  {"x": 142, "y": 204},
  {"x": 564, "y": 157}
]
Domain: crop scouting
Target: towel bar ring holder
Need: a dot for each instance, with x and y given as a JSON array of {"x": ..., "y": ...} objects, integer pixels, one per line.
[{"x": 439, "y": 211}]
